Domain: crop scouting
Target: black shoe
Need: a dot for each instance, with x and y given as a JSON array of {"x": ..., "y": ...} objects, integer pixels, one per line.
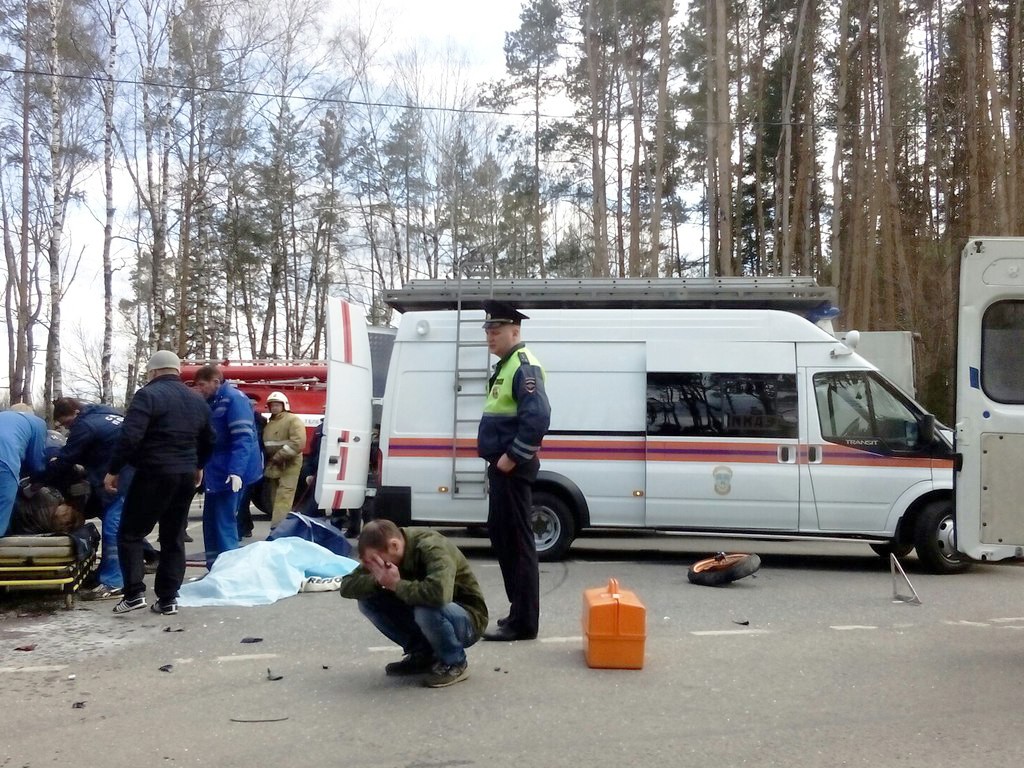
[
  {"x": 504, "y": 621},
  {"x": 188, "y": 539},
  {"x": 129, "y": 604},
  {"x": 508, "y": 634},
  {"x": 151, "y": 566},
  {"x": 165, "y": 608},
  {"x": 442, "y": 675},
  {"x": 411, "y": 664}
]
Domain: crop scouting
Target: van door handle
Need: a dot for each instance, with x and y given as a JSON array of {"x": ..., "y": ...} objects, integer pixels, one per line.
[
  {"x": 814, "y": 454},
  {"x": 332, "y": 460},
  {"x": 786, "y": 454}
]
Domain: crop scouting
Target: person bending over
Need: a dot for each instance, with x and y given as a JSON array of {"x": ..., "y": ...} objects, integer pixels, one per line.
[{"x": 417, "y": 588}]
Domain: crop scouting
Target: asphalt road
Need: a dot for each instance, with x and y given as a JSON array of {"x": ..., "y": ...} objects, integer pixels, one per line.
[{"x": 807, "y": 663}]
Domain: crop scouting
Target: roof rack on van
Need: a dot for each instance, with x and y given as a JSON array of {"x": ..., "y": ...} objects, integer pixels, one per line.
[{"x": 795, "y": 294}]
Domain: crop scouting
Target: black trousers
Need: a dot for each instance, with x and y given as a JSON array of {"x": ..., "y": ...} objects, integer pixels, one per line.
[
  {"x": 508, "y": 525},
  {"x": 155, "y": 499}
]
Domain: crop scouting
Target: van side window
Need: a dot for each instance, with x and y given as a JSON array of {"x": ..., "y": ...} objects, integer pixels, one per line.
[
  {"x": 722, "y": 405},
  {"x": 1002, "y": 364},
  {"x": 859, "y": 409}
]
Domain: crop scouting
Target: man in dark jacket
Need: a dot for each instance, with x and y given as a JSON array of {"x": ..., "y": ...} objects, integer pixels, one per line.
[
  {"x": 93, "y": 432},
  {"x": 166, "y": 436},
  {"x": 417, "y": 588}
]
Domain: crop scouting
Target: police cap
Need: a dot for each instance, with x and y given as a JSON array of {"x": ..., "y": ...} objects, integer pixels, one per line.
[{"x": 501, "y": 313}]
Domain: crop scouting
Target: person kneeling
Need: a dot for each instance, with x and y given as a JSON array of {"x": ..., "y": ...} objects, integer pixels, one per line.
[{"x": 417, "y": 588}]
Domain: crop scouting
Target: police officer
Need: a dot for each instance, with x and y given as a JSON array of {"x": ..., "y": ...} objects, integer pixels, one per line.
[{"x": 516, "y": 416}]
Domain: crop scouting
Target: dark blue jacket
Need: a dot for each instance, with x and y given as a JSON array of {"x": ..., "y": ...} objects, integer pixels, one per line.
[
  {"x": 166, "y": 429},
  {"x": 92, "y": 439},
  {"x": 22, "y": 443},
  {"x": 237, "y": 450}
]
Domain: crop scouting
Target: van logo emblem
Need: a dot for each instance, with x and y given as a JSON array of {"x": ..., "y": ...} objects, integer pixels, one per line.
[{"x": 723, "y": 480}]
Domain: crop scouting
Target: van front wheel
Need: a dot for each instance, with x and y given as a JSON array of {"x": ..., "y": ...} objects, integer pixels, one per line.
[
  {"x": 935, "y": 539},
  {"x": 553, "y": 526}
]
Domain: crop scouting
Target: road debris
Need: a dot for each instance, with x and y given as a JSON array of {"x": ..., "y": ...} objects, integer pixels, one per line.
[
  {"x": 272, "y": 676},
  {"x": 166, "y": 667},
  {"x": 252, "y": 639}
]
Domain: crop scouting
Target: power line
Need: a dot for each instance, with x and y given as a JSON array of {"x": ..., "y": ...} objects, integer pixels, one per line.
[{"x": 626, "y": 116}]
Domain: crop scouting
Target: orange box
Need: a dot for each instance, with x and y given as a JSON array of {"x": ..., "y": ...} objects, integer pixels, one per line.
[{"x": 614, "y": 628}]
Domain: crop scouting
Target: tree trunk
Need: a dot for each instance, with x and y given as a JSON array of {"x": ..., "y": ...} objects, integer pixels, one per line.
[
  {"x": 786, "y": 255},
  {"x": 723, "y": 142},
  {"x": 598, "y": 137},
  {"x": 660, "y": 131},
  {"x": 838, "y": 190}
]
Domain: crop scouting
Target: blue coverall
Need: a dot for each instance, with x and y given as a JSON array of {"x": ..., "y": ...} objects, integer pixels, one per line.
[{"x": 22, "y": 451}]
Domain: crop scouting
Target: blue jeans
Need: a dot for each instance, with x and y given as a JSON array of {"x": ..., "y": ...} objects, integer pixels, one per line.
[
  {"x": 220, "y": 528},
  {"x": 110, "y": 564},
  {"x": 444, "y": 632},
  {"x": 8, "y": 495}
]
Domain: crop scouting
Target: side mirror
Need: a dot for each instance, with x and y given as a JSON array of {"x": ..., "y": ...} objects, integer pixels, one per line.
[{"x": 926, "y": 429}]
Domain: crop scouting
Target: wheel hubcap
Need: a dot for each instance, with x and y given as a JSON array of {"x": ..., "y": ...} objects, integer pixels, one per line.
[
  {"x": 546, "y": 527},
  {"x": 945, "y": 534}
]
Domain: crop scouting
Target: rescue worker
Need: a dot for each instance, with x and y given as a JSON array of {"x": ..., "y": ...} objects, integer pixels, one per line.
[
  {"x": 254, "y": 488},
  {"x": 284, "y": 437},
  {"x": 22, "y": 451},
  {"x": 515, "y": 418},
  {"x": 236, "y": 461},
  {"x": 93, "y": 432},
  {"x": 166, "y": 436}
]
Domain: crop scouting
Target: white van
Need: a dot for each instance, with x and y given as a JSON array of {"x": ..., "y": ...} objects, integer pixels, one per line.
[
  {"x": 747, "y": 423},
  {"x": 990, "y": 400}
]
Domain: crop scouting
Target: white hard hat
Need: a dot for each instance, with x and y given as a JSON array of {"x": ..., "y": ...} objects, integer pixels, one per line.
[
  {"x": 278, "y": 397},
  {"x": 163, "y": 358}
]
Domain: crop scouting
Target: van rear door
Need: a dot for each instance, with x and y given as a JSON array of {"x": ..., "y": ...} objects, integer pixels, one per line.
[
  {"x": 989, "y": 435},
  {"x": 345, "y": 451}
]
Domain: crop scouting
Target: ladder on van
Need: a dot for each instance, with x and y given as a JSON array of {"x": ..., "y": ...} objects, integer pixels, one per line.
[{"x": 472, "y": 372}]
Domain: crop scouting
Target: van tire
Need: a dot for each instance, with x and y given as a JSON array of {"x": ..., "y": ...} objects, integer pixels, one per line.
[
  {"x": 935, "y": 539},
  {"x": 898, "y": 548},
  {"x": 553, "y": 526},
  {"x": 722, "y": 569}
]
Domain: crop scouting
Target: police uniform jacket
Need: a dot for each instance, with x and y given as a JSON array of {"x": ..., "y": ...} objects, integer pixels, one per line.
[
  {"x": 517, "y": 412},
  {"x": 236, "y": 450},
  {"x": 433, "y": 572},
  {"x": 166, "y": 429}
]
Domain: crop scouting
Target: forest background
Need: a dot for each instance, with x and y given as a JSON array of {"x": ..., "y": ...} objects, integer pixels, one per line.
[{"x": 231, "y": 164}]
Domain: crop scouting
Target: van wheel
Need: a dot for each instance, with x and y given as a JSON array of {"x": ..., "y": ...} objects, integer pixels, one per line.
[
  {"x": 553, "y": 526},
  {"x": 935, "y": 539},
  {"x": 900, "y": 549},
  {"x": 722, "y": 569}
]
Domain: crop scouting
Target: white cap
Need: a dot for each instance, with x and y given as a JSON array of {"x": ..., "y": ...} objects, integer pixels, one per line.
[{"x": 163, "y": 358}]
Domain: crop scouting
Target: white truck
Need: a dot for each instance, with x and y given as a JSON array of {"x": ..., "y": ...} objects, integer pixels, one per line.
[{"x": 729, "y": 422}]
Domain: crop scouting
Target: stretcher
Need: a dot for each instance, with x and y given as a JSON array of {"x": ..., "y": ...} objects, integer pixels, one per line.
[{"x": 44, "y": 562}]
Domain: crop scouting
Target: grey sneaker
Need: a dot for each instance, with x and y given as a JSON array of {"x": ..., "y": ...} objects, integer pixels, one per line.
[
  {"x": 411, "y": 664},
  {"x": 129, "y": 604},
  {"x": 442, "y": 675},
  {"x": 100, "y": 592},
  {"x": 168, "y": 608}
]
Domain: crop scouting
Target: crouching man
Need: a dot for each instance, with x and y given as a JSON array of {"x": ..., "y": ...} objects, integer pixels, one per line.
[{"x": 416, "y": 587}]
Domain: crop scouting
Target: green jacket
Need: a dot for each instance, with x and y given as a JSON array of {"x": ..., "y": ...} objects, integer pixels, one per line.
[{"x": 433, "y": 572}]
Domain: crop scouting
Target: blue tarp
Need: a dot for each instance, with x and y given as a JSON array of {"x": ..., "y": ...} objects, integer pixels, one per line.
[{"x": 264, "y": 572}]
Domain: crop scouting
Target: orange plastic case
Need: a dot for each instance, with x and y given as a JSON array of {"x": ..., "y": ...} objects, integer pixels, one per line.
[{"x": 614, "y": 628}]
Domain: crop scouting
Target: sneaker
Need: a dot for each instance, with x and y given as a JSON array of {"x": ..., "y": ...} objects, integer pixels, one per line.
[
  {"x": 100, "y": 592},
  {"x": 129, "y": 604},
  {"x": 411, "y": 664},
  {"x": 442, "y": 675},
  {"x": 168, "y": 608}
]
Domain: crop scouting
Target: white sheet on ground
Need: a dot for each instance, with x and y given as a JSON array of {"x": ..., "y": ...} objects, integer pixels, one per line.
[{"x": 264, "y": 572}]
